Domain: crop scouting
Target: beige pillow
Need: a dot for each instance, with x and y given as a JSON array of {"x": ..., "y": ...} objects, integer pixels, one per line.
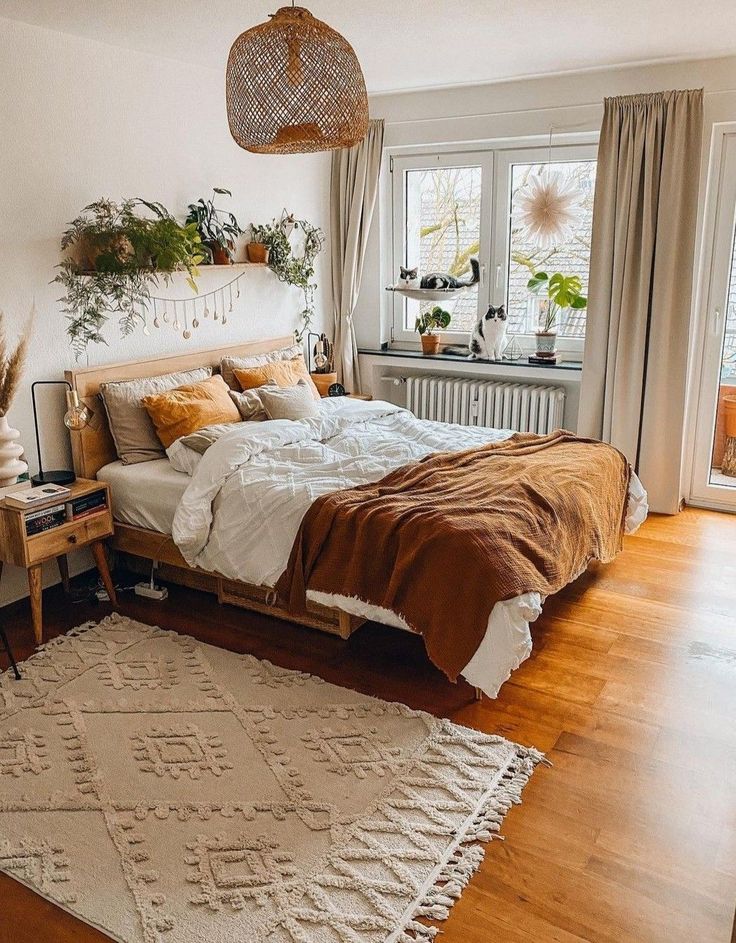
[
  {"x": 289, "y": 402},
  {"x": 186, "y": 409},
  {"x": 229, "y": 364},
  {"x": 132, "y": 430},
  {"x": 249, "y": 403}
]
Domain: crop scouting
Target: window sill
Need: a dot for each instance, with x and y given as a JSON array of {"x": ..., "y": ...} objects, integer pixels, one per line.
[{"x": 490, "y": 366}]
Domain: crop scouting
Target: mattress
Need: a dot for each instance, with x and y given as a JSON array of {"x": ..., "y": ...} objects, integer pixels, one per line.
[{"x": 145, "y": 494}]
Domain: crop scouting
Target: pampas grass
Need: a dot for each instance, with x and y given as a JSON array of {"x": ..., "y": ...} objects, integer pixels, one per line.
[{"x": 12, "y": 362}]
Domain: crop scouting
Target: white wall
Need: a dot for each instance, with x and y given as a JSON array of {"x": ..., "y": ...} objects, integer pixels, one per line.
[
  {"x": 570, "y": 103},
  {"x": 80, "y": 120}
]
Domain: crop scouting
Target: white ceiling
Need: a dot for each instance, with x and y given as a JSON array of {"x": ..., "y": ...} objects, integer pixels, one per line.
[{"x": 417, "y": 43}]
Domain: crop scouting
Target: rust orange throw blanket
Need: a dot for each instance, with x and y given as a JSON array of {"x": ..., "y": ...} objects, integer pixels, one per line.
[{"x": 440, "y": 542}]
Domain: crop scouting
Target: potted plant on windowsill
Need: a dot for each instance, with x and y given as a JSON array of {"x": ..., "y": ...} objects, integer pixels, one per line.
[
  {"x": 218, "y": 229},
  {"x": 426, "y": 324},
  {"x": 563, "y": 294}
]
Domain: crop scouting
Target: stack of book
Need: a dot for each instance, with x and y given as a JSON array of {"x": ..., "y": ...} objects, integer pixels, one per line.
[
  {"x": 86, "y": 505},
  {"x": 54, "y": 510}
]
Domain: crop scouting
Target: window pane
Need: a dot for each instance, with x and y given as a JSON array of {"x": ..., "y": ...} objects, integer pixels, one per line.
[
  {"x": 728, "y": 366},
  {"x": 442, "y": 233},
  {"x": 571, "y": 258}
]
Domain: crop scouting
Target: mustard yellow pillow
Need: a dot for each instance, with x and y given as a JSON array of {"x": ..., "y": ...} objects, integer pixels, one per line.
[
  {"x": 186, "y": 409},
  {"x": 283, "y": 373}
]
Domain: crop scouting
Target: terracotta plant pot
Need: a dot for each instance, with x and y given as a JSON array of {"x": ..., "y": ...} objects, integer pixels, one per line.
[
  {"x": 546, "y": 344},
  {"x": 257, "y": 252},
  {"x": 220, "y": 255},
  {"x": 323, "y": 381},
  {"x": 729, "y": 415},
  {"x": 430, "y": 343}
]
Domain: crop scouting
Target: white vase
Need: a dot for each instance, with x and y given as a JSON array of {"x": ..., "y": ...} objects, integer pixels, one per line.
[{"x": 10, "y": 452}]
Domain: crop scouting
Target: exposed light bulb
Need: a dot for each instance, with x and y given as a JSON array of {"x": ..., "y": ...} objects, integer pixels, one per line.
[{"x": 77, "y": 416}]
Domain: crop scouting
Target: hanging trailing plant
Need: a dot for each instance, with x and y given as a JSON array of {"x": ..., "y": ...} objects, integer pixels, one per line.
[
  {"x": 297, "y": 270},
  {"x": 116, "y": 257}
]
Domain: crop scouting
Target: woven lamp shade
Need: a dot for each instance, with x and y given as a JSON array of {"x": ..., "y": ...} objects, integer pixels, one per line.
[{"x": 294, "y": 85}]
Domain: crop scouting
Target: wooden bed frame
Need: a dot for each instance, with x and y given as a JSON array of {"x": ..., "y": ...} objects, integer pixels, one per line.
[{"x": 93, "y": 447}]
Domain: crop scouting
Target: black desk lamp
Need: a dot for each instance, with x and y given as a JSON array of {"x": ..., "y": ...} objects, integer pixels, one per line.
[{"x": 76, "y": 417}]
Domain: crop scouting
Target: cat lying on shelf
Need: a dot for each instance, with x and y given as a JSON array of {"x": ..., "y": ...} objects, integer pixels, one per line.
[
  {"x": 409, "y": 278},
  {"x": 489, "y": 335}
]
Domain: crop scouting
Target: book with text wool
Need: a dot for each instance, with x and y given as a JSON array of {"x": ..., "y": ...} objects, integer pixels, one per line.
[
  {"x": 30, "y": 497},
  {"x": 45, "y": 519}
]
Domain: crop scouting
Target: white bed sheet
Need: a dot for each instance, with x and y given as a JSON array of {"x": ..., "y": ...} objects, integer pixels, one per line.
[{"x": 146, "y": 494}]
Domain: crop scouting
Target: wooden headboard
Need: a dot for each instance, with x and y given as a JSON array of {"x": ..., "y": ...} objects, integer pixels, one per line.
[{"x": 93, "y": 447}]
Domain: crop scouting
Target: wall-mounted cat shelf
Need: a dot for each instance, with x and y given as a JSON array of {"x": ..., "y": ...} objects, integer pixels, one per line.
[{"x": 427, "y": 294}]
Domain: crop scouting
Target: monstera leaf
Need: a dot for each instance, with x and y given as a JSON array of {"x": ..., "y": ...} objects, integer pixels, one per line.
[{"x": 563, "y": 290}]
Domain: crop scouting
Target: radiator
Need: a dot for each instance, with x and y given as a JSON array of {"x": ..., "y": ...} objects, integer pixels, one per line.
[{"x": 523, "y": 407}]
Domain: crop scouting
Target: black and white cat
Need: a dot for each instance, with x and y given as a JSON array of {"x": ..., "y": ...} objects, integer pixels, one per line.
[
  {"x": 444, "y": 280},
  {"x": 489, "y": 335},
  {"x": 409, "y": 278}
]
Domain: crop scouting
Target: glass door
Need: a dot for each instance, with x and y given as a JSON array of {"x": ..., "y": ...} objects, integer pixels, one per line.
[{"x": 714, "y": 465}]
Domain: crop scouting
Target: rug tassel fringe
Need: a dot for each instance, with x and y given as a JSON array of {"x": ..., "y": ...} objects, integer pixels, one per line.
[{"x": 466, "y": 857}]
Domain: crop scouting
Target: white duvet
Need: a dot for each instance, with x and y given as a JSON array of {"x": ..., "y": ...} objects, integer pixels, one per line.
[{"x": 249, "y": 492}]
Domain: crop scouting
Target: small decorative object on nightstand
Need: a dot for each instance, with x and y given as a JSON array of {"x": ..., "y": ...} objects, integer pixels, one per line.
[
  {"x": 31, "y": 536},
  {"x": 76, "y": 417}
]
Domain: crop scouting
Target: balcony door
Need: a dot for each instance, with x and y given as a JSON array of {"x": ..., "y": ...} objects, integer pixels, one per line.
[{"x": 714, "y": 461}]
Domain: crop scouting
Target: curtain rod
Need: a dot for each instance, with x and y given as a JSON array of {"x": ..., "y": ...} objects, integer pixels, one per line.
[{"x": 526, "y": 111}]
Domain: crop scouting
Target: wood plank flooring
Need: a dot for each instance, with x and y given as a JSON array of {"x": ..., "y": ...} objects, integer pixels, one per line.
[{"x": 631, "y": 690}]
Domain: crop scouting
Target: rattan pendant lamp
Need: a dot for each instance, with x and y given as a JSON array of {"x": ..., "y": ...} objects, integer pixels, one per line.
[{"x": 294, "y": 85}]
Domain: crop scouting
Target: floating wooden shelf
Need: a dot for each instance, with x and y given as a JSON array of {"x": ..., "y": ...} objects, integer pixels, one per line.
[
  {"x": 202, "y": 268},
  {"x": 207, "y": 268}
]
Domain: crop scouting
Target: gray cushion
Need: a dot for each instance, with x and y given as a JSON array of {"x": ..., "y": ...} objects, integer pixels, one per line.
[
  {"x": 202, "y": 439},
  {"x": 249, "y": 403},
  {"x": 228, "y": 364},
  {"x": 131, "y": 427},
  {"x": 290, "y": 402}
]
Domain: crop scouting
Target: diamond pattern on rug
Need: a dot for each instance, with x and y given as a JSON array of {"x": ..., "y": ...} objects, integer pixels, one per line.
[{"x": 171, "y": 792}]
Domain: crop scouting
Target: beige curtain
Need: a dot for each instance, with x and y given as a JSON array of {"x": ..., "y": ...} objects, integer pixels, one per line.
[
  {"x": 354, "y": 186},
  {"x": 641, "y": 273}
]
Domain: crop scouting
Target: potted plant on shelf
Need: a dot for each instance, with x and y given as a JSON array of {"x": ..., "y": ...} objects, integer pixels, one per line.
[
  {"x": 427, "y": 323},
  {"x": 257, "y": 249},
  {"x": 116, "y": 256},
  {"x": 218, "y": 229},
  {"x": 563, "y": 294}
]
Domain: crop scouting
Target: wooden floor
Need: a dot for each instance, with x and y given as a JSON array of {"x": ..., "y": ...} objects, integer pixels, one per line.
[{"x": 630, "y": 837}]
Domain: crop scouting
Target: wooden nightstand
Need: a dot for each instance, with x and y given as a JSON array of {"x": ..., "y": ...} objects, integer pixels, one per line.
[
  {"x": 365, "y": 396},
  {"x": 18, "y": 548}
]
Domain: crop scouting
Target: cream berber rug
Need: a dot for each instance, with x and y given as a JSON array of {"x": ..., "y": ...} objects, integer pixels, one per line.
[{"x": 165, "y": 790}]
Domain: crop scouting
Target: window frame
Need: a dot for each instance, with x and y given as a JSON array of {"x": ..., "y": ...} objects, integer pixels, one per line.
[{"x": 496, "y": 160}]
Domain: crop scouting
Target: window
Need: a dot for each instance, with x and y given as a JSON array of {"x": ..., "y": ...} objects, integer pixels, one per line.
[
  {"x": 450, "y": 206},
  {"x": 571, "y": 258},
  {"x": 443, "y": 214}
]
